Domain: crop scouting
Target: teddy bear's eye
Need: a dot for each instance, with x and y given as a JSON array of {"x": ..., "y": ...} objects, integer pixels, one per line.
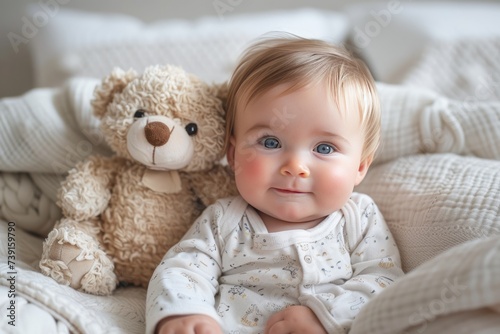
[
  {"x": 191, "y": 129},
  {"x": 140, "y": 113}
]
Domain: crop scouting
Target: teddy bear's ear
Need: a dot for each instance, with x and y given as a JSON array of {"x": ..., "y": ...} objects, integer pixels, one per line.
[
  {"x": 110, "y": 85},
  {"x": 221, "y": 91}
]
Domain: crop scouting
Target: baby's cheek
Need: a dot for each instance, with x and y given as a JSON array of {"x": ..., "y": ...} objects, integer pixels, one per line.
[
  {"x": 250, "y": 178},
  {"x": 250, "y": 167},
  {"x": 335, "y": 183}
]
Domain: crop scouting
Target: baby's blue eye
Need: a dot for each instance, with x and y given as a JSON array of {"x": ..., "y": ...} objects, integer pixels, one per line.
[
  {"x": 324, "y": 149},
  {"x": 270, "y": 142}
]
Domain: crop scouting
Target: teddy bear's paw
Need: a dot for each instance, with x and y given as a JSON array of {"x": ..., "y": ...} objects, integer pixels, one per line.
[
  {"x": 65, "y": 265},
  {"x": 73, "y": 257},
  {"x": 84, "y": 202},
  {"x": 101, "y": 278}
]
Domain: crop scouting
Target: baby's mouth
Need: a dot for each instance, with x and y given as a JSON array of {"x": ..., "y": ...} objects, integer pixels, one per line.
[{"x": 288, "y": 191}]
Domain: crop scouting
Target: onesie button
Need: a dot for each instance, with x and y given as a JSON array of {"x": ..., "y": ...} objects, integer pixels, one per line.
[{"x": 308, "y": 259}]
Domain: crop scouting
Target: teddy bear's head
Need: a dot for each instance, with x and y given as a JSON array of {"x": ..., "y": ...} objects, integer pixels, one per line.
[{"x": 165, "y": 119}]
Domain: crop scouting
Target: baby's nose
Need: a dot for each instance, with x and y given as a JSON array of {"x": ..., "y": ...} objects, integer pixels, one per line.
[{"x": 295, "y": 169}]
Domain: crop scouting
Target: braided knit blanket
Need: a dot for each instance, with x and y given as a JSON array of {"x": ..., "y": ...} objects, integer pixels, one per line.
[{"x": 43, "y": 134}]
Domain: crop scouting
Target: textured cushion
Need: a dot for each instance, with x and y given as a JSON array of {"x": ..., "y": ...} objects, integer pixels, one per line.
[
  {"x": 77, "y": 43},
  {"x": 436, "y": 201},
  {"x": 456, "y": 292},
  {"x": 393, "y": 35},
  {"x": 466, "y": 69}
]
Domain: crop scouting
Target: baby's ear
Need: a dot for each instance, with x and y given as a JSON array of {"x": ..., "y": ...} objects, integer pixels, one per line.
[
  {"x": 230, "y": 153},
  {"x": 363, "y": 169},
  {"x": 110, "y": 85}
]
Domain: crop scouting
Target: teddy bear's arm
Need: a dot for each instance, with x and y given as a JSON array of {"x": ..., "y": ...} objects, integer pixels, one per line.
[
  {"x": 86, "y": 191},
  {"x": 215, "y": 184}
]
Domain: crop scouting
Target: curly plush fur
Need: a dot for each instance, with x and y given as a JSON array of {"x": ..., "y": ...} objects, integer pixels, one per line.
[{"x": 122, "y": 213}]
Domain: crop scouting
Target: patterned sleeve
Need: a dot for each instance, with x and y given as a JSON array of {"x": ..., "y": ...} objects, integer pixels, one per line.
[
  {"x": 186, "y": 280},
  {"x": 375, "y": 264}
]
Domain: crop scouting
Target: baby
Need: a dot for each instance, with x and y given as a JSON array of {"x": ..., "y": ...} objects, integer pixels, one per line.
[{"x": 298, "y": 251}]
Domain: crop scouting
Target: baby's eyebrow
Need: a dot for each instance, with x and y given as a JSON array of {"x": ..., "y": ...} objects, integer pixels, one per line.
[
  {"x": 257, "y": 130},
  {"x": 259, "y": 127},
  {"x": 327, "y": 133}
]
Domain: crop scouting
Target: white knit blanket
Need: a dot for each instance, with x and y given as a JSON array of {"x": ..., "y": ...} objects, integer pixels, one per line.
[
  {"x": 43, "y": 134},
  {"x": 436, "y": 180},
  {"x": 73, "y": 311}
]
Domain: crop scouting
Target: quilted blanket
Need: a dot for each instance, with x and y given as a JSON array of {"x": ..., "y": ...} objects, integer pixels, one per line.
[{"x": 436, "y": 180}]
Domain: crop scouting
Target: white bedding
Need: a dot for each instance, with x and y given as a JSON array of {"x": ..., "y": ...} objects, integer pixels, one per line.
[
  {"x": 72, "y": 311},
  {"x": 436, "y": 180}
]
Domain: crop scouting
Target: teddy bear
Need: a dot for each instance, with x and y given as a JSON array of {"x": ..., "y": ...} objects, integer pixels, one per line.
[{"x": 121, "y": 213}]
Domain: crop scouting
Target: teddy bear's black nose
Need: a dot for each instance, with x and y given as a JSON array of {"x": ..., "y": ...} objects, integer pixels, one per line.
[{"x": 157, "y": 133}]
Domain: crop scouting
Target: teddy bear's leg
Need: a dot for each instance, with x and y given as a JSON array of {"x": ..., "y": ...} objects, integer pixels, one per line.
[{"x": 72, "y": 256}]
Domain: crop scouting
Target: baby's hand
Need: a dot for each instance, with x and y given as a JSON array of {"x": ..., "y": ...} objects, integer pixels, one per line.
[
  {"x": 294, "y": 319},
  {"x": 193, "y": 324}
]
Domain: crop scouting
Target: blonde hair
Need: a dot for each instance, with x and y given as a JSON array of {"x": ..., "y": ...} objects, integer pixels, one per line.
[{"x": 298, "y": 61}]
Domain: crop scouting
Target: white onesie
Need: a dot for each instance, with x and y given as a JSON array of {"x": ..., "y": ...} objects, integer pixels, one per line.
[{"x": 229, "y": 267}]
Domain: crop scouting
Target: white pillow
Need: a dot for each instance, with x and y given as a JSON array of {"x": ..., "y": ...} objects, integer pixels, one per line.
[
  {"x": 391, "y": 36},
  {"x": 434, "y": 202},
  {"x": 467, "y": 69},
  {"x": 76, "y": 43}
]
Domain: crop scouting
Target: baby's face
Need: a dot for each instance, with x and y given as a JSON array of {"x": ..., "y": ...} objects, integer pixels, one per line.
[{"x": 296, "y": 157}]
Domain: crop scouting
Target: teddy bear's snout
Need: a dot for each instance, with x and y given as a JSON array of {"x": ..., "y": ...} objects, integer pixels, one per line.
[{"x": 157, "y": 133}]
